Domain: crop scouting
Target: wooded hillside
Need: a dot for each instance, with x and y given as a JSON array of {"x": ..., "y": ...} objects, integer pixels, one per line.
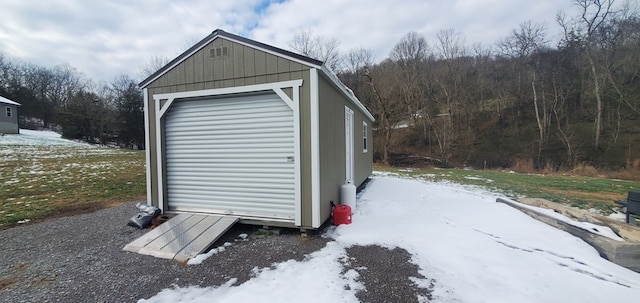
[{"x": 519, "y": 101}]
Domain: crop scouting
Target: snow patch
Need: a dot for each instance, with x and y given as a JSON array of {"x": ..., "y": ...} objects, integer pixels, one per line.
[{"x": 39, "y": 138}]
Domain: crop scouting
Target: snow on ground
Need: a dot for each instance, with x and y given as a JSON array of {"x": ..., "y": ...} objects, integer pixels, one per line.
[
  {"x": 38, "y": 138},
  {"x": 476, "y": 250}
]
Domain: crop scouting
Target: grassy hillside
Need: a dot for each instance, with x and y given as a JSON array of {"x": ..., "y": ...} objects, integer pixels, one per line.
[{"x": 44, "y": 180}]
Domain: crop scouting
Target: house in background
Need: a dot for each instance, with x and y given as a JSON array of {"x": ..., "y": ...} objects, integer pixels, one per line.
[
  {"x": 241, "y": 128},
  {"x": 9, "y": 116}
]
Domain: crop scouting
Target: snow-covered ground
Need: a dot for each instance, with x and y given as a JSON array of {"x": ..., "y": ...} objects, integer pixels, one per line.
[
  {"x": 476, "y": 250},
  {"x": 38, "y": 138}
]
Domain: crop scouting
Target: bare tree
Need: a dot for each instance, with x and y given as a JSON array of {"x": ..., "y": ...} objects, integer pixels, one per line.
[
  {"x": 383, "y": 104},
  {"x": 153, "y": 64},
  {"x": 356, "y": 61},
  {"x": 66, "y": 82},
  {"x": 409, "y": 56},
  {"x": 448, "y": 94},
  {"x": 593, "y": 16},
  {"x": 524, "y": 45},
  {"x": 318, "y": 47}
]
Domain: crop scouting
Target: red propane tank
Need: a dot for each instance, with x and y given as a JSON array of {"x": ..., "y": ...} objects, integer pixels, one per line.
[{"x": 341, "y": 214}]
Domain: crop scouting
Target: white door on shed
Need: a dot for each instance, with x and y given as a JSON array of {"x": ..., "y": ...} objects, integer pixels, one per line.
[
  {"x": 231, "y": 155},
  {"x": 348, "y": 135}
]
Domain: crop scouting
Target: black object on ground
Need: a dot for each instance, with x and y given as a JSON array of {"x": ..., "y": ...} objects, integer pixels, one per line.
[
  {"x": 144, "y": 216},
  {"x": 632, "y": 204}
]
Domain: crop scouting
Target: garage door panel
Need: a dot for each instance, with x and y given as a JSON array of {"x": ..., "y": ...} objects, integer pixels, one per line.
[
  {"x": 198, "y": 110},
  {"x": 239, "y": 181},
  {"x": 228, "y": 169},
  {"x": 233, "y": 204},
  {"x": 231, "y": 155},
  {"x": 194, "y": 187},
  {"x": 273, "y": 123},
  {"x": 272, "y": 147},
  {"x": 249, "y": 211}
]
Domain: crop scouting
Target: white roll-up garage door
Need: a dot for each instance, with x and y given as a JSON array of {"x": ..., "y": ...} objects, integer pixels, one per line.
[{"x": 232, "y": 155}]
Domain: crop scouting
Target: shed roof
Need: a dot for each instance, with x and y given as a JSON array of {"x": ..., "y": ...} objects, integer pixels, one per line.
[
  {"x": 265, "y": 47},
  {"x": 7, "y": 101}
]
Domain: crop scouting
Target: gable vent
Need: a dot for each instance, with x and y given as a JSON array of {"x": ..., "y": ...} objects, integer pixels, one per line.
[{"x": 219, "y": 52}]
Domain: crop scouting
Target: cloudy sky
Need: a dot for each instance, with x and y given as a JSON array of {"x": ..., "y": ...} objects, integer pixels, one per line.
[{"x": 104, "y": 38}]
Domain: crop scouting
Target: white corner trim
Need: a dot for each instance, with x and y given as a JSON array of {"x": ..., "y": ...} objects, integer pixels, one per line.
[
  {"x": 315, "y": 145},
  {"x": 159, "y": 154},
  {"x": 147, "y": 144},
  {"x": 275, "y": 87},
  {"x": 296, "y": 151},
  {"x": 165, "y": 107},
  {"x": 291, "y": 103}
]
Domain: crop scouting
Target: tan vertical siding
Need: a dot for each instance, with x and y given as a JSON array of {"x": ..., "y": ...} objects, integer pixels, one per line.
[
  {"x": 198, "y": 60},
  {"x": 207, "y": 63},
  {"x": 249, "y": 62},
  {"x": 260, "y": 63},
  {"x": 272, "y": 64},
  {"x": 283, "y": 65},
  {"x": 333, "y": 147},
  {"x": 238, "y": 61}
]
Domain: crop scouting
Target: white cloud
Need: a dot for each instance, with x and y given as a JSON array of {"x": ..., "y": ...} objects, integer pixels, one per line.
[{"x": 106, "y": 38}]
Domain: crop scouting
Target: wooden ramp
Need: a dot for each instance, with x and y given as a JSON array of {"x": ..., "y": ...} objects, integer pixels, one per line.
[{"x": 183, "y": 236}]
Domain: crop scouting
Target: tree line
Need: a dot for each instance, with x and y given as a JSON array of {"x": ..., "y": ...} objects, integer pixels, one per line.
[
  {"x": 520, "y": 99},
  {"x": 62, "y": 99}
]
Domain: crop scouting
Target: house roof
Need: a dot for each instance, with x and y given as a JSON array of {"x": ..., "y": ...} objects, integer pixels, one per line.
[
  {"x": 264, "y": 47},
  {"x": 7, "y": 101}
]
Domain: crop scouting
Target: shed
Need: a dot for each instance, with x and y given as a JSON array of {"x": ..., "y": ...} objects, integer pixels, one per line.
[
  {"x": 9, "y": 116},
  {"x": 241, "y": 128}
]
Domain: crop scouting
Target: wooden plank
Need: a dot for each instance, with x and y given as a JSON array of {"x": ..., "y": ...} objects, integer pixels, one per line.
[
  {"x": 154, "y": 234},
  {"x": 172, "y": 248},
  {"x": 206, "y": 239},
  {"x": 177, "y": 230}
]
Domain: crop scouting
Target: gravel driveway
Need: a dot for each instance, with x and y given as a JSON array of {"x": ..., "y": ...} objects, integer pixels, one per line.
[{"x": 80, "y": 259}]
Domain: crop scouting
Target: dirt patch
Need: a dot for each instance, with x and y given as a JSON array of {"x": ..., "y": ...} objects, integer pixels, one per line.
[
  {"x": 6, "y": 282},
  {"x": 601, "y": 196},
  {"x": 387, "y": 274}
]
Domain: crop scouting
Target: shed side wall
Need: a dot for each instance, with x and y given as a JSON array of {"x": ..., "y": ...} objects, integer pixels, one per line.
[{"x": 332, "y": 145}]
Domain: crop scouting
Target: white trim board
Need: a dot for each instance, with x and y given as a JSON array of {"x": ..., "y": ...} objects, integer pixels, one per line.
[
  {"x": 147, "y": 144},
  {"x": 171, "y": 97},
  {"x": 315, "y": 151},
  {"x": 276, "y": 87}
]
